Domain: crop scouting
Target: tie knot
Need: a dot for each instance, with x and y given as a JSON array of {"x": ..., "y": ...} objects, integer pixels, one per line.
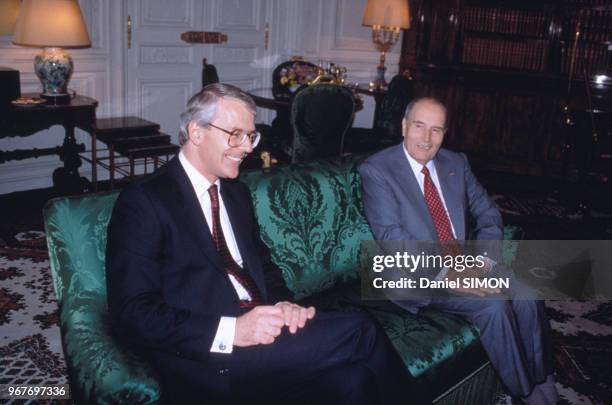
[{"x": 425, "y": 171}]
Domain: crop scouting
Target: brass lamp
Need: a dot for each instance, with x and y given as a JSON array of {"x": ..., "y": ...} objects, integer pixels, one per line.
[
  {"x": 387, "y": 18},
  {"x": 52, "y": 25}
]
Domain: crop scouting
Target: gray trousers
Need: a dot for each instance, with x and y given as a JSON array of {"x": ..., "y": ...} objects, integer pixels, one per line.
[{"x": 514, "y": 331}]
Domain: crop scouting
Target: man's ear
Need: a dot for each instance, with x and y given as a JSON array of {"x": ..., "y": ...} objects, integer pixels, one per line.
[
  {"x": 404, "y": 126},
  {"x": 195, "y": 133}
]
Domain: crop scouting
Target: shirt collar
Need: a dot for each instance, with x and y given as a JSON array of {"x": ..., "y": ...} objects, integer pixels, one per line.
[
  {"x": 198, "y": 181},
  {"x": 416, "y": 166}
]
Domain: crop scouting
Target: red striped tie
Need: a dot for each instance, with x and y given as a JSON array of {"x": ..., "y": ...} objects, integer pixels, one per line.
[{"x": 229, "y": 264}]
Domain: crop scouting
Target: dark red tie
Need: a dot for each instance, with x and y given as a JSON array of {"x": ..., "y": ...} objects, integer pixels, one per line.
[
  {"x": 229, "y": 264},
  {"x": 439, "y": 216}
]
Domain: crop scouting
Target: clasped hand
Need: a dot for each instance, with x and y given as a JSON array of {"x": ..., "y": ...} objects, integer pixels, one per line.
[{"x": 263, "y": 324}]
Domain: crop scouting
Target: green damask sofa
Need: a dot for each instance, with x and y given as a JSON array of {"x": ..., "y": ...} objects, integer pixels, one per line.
[{"x": 311, "y": 218}]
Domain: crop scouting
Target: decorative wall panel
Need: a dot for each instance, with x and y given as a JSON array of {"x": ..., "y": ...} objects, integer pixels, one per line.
[{"x": 175, "y": 55}]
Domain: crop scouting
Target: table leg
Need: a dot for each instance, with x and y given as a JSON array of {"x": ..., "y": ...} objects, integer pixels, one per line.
[
  {"x": 94, "y": 161},
  {"x": 67, "y": 179}
]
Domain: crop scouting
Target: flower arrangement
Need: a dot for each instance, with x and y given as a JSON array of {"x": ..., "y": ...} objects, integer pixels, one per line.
[{"x": 298, "y": 74}]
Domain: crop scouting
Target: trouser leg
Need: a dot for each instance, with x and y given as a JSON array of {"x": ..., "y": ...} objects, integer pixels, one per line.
[{"x": 350, "y": 349}]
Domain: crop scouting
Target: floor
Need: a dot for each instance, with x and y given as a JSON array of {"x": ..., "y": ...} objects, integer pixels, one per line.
[{"x": 30, "y": 342}]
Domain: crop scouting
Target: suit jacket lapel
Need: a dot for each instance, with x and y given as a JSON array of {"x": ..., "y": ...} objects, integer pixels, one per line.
[
  {"x": 412, "y": 190},
  {"x": 191, "y": 216},
  {"x": 237, "y": 211},
  {"x": 450, "y": 184}
]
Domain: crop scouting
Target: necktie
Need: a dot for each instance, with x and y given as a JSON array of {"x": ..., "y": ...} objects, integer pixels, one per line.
[
  {"x": 436, "y": 208},
  {"x": 439, "y": 216},
  {"x": 229, "y": 264}
]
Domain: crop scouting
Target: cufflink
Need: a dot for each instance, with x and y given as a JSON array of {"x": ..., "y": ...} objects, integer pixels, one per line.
[{"x": 222, "y": 347}]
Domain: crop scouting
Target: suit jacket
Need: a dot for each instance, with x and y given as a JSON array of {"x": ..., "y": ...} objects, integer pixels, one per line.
[
  {"x": 167, "y": 288},
  {"x": 396, "y": 209}
]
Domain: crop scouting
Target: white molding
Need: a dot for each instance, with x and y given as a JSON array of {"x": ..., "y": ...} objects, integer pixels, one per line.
[
  {"x": 234, "y": 54},
  {"x": 220, "y": 24},
  {"x": 164, "y": 54},
  {"x": 187, "y": 22},
  {"x": 27, "y": 174}
]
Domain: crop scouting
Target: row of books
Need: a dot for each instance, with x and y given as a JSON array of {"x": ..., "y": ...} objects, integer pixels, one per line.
[
  {"x": 596, "y": 58},
  {"x": 595, "y": 25},
  {"x": 506, "y": 21},
  {"x": 525, "y": 54}
]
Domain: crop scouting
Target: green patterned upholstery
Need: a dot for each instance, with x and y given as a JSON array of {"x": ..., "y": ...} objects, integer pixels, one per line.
[
  {"x": 440, "y": 350},
  {"x": 311, "y": 217},
  {"x": 101, "y": 370}
]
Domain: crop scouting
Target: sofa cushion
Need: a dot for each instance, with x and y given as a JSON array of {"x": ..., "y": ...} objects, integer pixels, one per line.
[
  {"x": 437, "y": 348},
  {"x": 76, "y": 239},
  {"x": 312, "y": 220}
]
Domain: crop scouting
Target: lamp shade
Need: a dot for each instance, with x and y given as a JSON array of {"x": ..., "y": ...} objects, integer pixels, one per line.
[
  {"x": 51, "y": 23},
  {"x": 9, "y": 9},
  {"x": 387, "y": 13}
]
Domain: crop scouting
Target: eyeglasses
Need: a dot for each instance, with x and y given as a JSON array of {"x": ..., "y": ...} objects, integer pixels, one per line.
[{"x": 238, "y": 137}]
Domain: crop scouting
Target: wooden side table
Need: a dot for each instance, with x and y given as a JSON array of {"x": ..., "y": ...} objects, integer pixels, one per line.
[{"x": 24, "y": 121}]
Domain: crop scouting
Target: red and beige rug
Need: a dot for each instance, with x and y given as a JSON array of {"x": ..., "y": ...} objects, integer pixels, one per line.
[{"x": 31, "y": 350}]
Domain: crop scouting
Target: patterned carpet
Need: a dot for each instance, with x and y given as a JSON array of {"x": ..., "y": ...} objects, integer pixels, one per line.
[{"x": 30, "y": 344}]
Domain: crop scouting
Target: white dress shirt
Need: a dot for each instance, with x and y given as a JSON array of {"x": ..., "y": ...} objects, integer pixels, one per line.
[
  {"x": 224, "y": 338},
  {"x": 416, "y": 168}
]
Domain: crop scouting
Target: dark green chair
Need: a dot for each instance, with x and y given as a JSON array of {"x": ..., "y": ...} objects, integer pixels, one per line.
[
  {"x": 312, "y": 219},
  {"x": 387, "y": 128},
  {"x": 320, "y": 116}
]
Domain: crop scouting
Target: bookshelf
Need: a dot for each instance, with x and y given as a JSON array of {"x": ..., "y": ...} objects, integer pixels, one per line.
[
  {"x": 506, "y": 70},
  {"x": 505, "y": 38}
]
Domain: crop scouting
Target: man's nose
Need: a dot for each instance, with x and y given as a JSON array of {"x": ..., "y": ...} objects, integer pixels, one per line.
[
  {"x": 247, "y": 145},
  {"x": 427, "y": 135}
]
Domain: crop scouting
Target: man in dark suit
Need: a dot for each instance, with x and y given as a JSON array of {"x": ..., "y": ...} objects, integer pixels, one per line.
[
  {"x": 419, "y": 191},
  {"x": 190, "y": 280}
]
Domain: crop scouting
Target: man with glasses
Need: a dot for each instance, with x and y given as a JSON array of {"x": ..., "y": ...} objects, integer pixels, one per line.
[
  {"x": 418, "y": 191},
  {"x": 190, "y": 279}
]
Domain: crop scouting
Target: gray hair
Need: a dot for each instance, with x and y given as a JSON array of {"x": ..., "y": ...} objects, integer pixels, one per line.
[
  {"x": 433, "y": 100},
  {"x": 202, "y": 107}
]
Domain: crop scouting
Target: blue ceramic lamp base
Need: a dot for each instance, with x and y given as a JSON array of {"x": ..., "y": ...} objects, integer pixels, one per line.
[{"x": 54, "y": 68}]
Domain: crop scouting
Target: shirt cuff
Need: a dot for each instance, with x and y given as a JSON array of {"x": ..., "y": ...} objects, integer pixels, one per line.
[{"x": 224, "y": 339}]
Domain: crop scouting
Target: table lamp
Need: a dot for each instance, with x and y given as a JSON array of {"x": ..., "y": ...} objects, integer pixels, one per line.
[
  {"x": 52, "y": 25},
  {"x": 387, "y": 18}
]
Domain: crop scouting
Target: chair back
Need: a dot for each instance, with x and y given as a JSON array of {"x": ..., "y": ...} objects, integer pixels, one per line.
[
  {"x": 320, "y": 117},
  {"x": 399, "y": 94},
  {"x": 209, "y": 73}
]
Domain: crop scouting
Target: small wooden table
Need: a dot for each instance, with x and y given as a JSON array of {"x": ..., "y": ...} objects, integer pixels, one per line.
[{"x": 24, "y": 121}]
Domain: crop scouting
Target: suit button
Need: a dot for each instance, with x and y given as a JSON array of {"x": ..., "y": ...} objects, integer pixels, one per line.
[
  {"x": 222, "y": 347},
  {"x": 223, "y": 371}
]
